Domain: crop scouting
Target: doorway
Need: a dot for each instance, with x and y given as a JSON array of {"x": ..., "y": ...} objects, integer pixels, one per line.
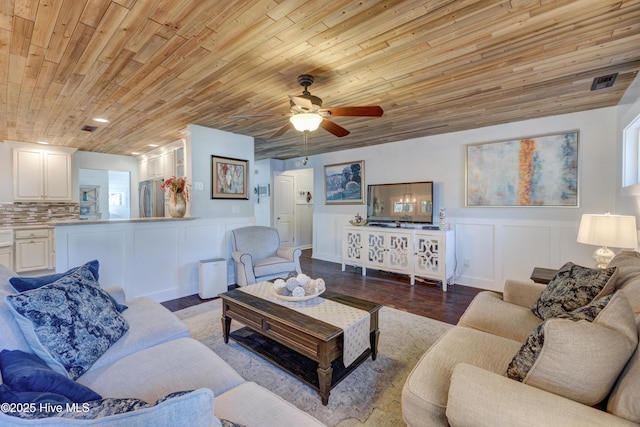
[
  {"x": 293, "y": 207},
  {"x": 104, "y": 194}
]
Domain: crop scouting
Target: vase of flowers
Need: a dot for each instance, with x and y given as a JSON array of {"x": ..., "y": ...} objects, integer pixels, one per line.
[{"x": 178, "y": 195}]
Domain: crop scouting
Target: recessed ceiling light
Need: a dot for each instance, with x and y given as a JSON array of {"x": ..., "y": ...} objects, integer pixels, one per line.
[
  {"x": 135, "y": 153},
  {"x": 43, "y": 142},
  {"x": 100, "y": 120},
  {"x": 153, "y": 145}
]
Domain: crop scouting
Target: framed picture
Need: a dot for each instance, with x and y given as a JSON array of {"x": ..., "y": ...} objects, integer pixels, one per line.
[
  {"x": 531, "y": 171},
  {"x": 229, "y": 178},
  {"x": 344, "y": 183}
]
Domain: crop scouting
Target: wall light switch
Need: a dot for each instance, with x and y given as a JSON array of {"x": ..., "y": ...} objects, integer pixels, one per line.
[
  {"x": 198, "y": 185},
  {"x": 235, "y": 209}
]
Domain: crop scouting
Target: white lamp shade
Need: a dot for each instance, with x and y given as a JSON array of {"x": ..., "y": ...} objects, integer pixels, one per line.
[
  {"x": 306, "y": 121},
  {"x": 616, "y": 231}
]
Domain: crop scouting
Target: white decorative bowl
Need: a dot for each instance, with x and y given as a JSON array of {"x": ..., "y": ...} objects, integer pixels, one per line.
[{"x": 275, "y": 293}]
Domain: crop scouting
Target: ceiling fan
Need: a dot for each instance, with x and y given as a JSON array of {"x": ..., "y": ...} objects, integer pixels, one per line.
[{"x": 307, "y": 113}]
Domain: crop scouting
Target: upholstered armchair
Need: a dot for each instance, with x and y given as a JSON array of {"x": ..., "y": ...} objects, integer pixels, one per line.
[{"x": 257, "y": 255}]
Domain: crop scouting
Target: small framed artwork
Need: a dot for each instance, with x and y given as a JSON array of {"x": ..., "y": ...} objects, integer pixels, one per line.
[
  {"x": 229, "y": 178},
  {"x": 531, "y": 171},
  {"x": 344, "y": 183}
]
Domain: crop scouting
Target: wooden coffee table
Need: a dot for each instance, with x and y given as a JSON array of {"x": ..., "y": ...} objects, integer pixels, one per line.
[{"x": 307, "y": 348}]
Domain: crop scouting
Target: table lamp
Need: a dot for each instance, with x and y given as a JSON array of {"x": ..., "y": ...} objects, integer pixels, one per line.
[{"x": 616, "y": 231}]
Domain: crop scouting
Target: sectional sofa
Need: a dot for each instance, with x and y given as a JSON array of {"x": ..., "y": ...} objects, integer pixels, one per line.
[
  {"x": 143, "y": 369},
  {"x": 503, "y": 365}
]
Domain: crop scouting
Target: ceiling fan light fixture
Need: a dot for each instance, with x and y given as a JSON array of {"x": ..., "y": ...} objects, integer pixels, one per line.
[{"x": 306, "y": 121}]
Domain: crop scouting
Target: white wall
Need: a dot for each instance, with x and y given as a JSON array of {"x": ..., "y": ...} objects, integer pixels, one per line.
[
  {"x": 496, "y": 243},
  {"x": 262, "y": 176},
  {"x": 202, "y": 143}
]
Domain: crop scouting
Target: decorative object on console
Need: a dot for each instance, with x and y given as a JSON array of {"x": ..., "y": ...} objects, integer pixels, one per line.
[
  {"x": 178, "y": 189},
  {"x": 532, "y": 171},
  {"x": 344, "y": 183},
  {"x": 617, "y": 231},
  {"x": 229, "y": 178},
  {"x": 443, "y": 218},
  {"x": 358, "y": 220}
]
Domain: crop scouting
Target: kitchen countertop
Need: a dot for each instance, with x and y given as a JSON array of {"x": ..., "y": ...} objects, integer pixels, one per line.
[
  {"x": 30, "y": 227},
  {"x": 114, "y": 221}
]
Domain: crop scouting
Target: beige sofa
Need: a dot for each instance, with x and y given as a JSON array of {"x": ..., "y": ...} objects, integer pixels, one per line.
[
  {"x": 461, "y": 380},
  {"x": 157, "y": 357}
]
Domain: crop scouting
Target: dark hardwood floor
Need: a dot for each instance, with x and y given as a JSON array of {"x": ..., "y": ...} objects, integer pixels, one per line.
[{"x": 392, "y": 290}]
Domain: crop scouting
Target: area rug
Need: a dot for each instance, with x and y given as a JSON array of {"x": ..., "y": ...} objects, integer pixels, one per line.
[{"x": 369, "y": 396}]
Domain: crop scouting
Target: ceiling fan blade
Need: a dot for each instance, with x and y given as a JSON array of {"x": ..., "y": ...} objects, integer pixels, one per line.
[
  {"x": 253, "y": 116},
  {"x": 301, "y": 102},
  {"x": 334, "y": 128},
  {"x": 370, "y": 111},
  {"x": 282, "y": 130}
]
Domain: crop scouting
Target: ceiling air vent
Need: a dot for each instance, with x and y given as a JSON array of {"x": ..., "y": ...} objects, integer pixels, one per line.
[
  {"x": 88, "y": 128},
  {"x": 603, "y": 81}
]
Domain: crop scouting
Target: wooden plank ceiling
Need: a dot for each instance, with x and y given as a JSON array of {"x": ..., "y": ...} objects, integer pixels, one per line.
[{"x": 153, "y": 66}]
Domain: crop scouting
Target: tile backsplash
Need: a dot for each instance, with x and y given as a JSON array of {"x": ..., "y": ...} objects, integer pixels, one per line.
[{"x": 36, "y": 213}]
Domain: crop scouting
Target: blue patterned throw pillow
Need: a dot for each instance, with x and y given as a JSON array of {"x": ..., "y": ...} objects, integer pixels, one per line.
[
  {"x": 22, "y": 284},
  {"x": 70, "y": 323}
]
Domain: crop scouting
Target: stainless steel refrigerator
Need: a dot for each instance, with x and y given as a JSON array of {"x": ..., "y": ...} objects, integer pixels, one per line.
[{"x": 151, "y": 198}]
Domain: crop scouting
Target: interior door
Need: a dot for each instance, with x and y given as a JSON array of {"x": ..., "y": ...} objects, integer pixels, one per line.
[{"x": 283, "y": 209}]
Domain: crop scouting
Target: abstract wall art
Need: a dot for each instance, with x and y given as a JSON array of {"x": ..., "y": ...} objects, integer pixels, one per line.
[{"x": 531, "y": 171}]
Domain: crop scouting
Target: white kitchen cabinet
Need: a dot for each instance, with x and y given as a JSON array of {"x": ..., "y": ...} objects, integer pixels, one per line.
[
  {"x": 163, "y": 162},
  {"x": 33, "y": 250},
  {"x": 417, "y": 253},
  {"x": 6, "y": 257},
  {"x": 41, "y": 174},
  {"x": 154, "y": 167},
  {"x": 168, "y": 164},
  {"x": 143, "y": 168}
]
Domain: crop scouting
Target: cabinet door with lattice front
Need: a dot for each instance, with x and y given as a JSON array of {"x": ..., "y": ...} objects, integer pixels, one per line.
[
  {"x": 399, "y": 251},
  {"x": 376, "y": 248},
  {"x": 428, "y": 250},
  {"x": 352, "y": 245}
]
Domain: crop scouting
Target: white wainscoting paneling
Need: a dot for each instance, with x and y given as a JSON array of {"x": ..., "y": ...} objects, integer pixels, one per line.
[
  {"x": 487, "y": 251},
  {"x": 158, "y": 259}
]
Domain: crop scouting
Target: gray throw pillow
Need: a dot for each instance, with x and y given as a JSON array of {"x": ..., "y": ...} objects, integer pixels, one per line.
[
  {"x": 579, "y": 355},
  {"x": 70, "y": 323},
  {"x": 573, "y": 287}
]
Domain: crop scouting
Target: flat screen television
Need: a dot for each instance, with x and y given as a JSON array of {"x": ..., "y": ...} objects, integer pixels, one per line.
[{"x": 407, "y": 202}]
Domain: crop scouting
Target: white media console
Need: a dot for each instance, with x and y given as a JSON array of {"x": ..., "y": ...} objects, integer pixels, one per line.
[{"x": 418, "y": 253}]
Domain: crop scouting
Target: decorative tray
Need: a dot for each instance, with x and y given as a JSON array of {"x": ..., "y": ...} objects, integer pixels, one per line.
[
  {"x": 352, "y": 222},
  {"x": 290, "y": 298}
]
